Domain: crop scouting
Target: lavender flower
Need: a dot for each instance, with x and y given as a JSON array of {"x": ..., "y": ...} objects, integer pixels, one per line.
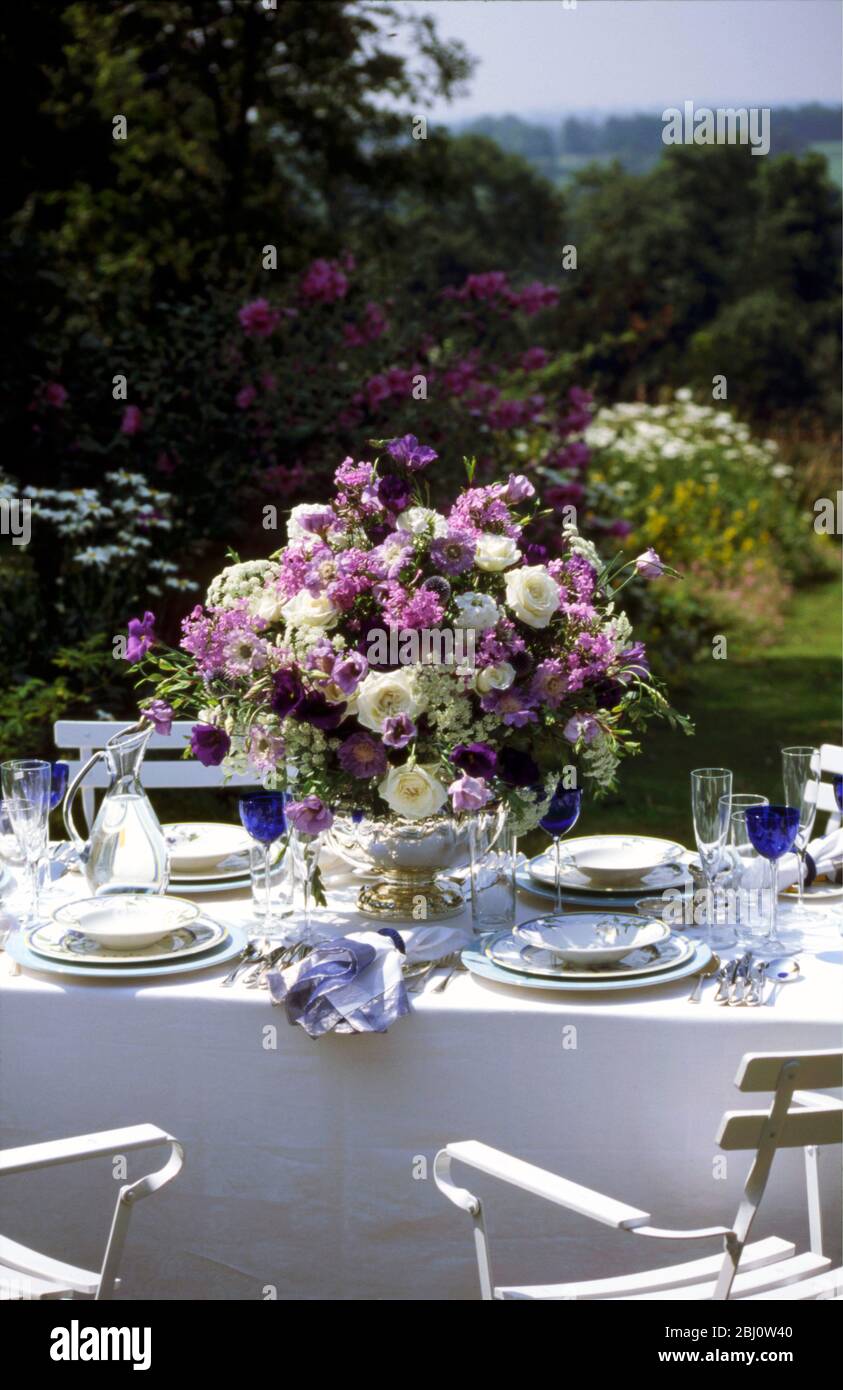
[
  {"x": 409, "y": 452},
  {"x": 516, "y": 707},
  {"x": 160, "y": 716},
  {"x": 453, "y": 553},
  {"x": 310, "y": 816},
  {"x": 141, "y": 637},
  {"x": 286, "y": 694},
  {"x": 348, "y": 671},
  {"x": 398, "y": 730},
  {"x": 394, "y": 493},
  {"x": 581, "y": 726},
  {"x": 648, "y": 564},
  {"x": 468, "y": 793}
]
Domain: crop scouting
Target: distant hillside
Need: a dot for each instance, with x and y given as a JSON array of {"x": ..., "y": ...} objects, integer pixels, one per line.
[{"x": 558, "y": 149}]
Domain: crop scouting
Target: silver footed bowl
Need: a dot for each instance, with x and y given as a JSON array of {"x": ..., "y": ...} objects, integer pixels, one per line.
[{"x": 407, "y": 857}]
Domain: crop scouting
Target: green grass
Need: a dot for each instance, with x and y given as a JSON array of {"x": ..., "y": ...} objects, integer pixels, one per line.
[
  {"x": 745, "y": 708},
  {"x": 833, "y": 152}
]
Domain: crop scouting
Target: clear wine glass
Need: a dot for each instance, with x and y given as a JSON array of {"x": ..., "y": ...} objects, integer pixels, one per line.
[
  {"x": 711, "y": 799},
  {"x": 772, "y": 831},
  {"x": 26, "y": 793},
  {"x": 561, "y": 816},
  {"x": 801, "y": 773},
  {"x": 263, "y": 816}
]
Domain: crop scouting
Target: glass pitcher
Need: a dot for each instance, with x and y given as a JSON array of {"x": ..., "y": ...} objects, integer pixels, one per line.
[{"x": 127, "y": 851}]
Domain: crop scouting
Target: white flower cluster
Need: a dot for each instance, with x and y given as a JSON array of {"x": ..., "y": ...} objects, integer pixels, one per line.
[
  {"x": 642, "y": 435},
  {"x": 248, "y": 580}
]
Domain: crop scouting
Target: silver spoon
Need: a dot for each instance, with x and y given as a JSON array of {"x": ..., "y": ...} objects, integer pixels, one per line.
[{"x": 782, "y": 971}]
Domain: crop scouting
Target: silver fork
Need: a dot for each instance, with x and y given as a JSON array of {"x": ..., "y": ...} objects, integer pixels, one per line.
[{"x": 247, "y": 957}]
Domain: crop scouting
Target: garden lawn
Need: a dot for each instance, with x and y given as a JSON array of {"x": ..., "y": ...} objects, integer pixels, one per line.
[{"x": 745, "y": 709}]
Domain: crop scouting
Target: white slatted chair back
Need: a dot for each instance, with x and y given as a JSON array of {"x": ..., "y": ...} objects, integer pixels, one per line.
[
  {"x": 831, "y": 763},
  {"x": 84, "y": 737},
  {"x": 800, "y": 1115},
  {"x": 28, "y": 1274}
]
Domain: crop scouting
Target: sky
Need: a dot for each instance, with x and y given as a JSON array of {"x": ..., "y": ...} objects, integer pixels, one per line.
[{"x": 543, "y": 56}]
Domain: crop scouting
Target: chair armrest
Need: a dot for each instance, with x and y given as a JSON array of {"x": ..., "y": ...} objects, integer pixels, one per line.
[
  {"x": 529, "y": 1178},
  {"x": 106, "y": 1141},
  {"x": 815, "y": 1100}
]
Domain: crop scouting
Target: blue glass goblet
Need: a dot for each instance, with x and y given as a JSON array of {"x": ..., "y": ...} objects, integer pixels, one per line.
[
  {"x": 263, "y": 817},
  {"x": 772, "y": 831},
  {"x": 838, "y": 791},
  {"x": 58, "y": 783},
  {"x": 561, "y": 816}
]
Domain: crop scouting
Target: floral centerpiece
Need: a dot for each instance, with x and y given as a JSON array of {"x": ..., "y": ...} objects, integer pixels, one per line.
[{"x": 393, "y": 664}]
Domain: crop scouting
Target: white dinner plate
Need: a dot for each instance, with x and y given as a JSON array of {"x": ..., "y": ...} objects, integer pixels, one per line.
[
  {"x": 233, "y": 945},
  {"x": 201, "y": 847},
  {"x": 126, "y": 921},
  {"x": 674, "y": 874},
  {"x": 591, "y": 940},
  {"x": 240, "y": 866},
  {"x": 507, "y": 951},
  {"x": 478, "y": 963},
  {"x": 817, "y": 893},
  {"x": 215, "y": 885},
  {"x": 55, "y": 941}
]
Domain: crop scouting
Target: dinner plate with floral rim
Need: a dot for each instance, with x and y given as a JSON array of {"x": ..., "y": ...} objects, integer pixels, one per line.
[
  {"x": 55, "y": 941},
  {"x": 18, "y": 949},
  {"x": 478, "y": 963},
  {"x": 511, "y": 954},
  {"x": 675, "y": 874},
  {"x": 202, "y": 847}
]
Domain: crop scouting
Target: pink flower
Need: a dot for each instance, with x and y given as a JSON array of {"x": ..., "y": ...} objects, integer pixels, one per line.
[
  {"x": 245, "y": 396},
  {"x": 258, "y": 319},
  {"x": 324, "y": 282},
  {"x": 648, "y": 564},
  {"x": 55, "y": 394},
  {"x": 534, "y": 358},
  {"x": 132, "y": 421},
  {"x": 468, "y": 793}
]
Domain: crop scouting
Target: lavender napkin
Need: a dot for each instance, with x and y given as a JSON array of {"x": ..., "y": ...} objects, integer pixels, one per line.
[{"x": 352, "y": 984}]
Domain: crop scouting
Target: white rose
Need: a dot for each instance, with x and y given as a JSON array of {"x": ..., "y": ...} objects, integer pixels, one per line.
[
  {"x": 496, "y": 553},
  {"x": 306, "y": 611},
  {"x": 418, "y": 521},
  {"x": 476, "y": 610},
  {"x": 268, "y": 606},
  {"x": 532, "y": 595},
  {"x": 295, "y": 531},
  {"x": 383, "y": 694},
  {"x": 413, "y": 792},
  {"x": 497, "y": 677}
]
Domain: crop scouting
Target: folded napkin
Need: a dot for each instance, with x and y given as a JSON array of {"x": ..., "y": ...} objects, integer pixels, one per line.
[
  {"x": 352, "y": 984},
  {"x": 822, "y": 857}
]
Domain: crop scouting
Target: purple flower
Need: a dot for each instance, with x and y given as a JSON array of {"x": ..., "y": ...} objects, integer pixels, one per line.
[
  {"x": 362, "y": 756},
  {"x": 409, "y": 452},
  {"x": 315, "y": 523},
  {"x": 394, "y": 493},
  {"x": 313, "y": 708},
  {"x": 398, "y": 730},
  {"x": 160, "y": 716},
  {"x": 581, "y": 726},
  {"x": 535, "y": 554},
  {"x": 310, "y": 816},
  {"x": 468, "y": 793},
  {"x": 209, "y": 744},
  {"x": 141, "y": 637},
  {"x": 132, "y": 420},
  {"x": 477, "y": 759},
  {"x": 648, "y": 564},
  {"x": 633, "y": 662},
  {"x": 517, "y": 769},
  {"x": 550, "y": 682},
  {"x": 515, "y": 707},
  {"x": 55, "y": 394},
  {"x": 620, "y": 528},
  {"x": 258, "y": 319},
  {"x": 286, "y": 694},
  {"x": 348, "y": 671},
  {"x": 245, "y": 396},
  {"x": 454, "y": 552},
  {"x": 519, "y": 489}
]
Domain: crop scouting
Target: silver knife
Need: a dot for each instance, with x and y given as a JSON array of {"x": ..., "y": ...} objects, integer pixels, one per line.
[{"x": 725, "y": 980}]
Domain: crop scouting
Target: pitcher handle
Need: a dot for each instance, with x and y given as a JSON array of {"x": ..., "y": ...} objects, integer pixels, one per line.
[{"x": 67, "y": 804}]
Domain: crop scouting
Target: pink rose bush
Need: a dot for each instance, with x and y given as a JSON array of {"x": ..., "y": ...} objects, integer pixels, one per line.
[{"x": 398, "y": 657}]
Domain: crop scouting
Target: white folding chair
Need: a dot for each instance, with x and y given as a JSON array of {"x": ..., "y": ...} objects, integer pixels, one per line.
[
  {"x": 768, "y": 1269},
  {"x": 84, "y": 736},
  {"x": 26, "y": 1274},
  {"x": 831, "y": 764}
]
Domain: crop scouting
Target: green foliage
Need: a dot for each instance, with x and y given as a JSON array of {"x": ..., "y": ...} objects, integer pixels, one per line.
[{"x": 87, "y": 675}]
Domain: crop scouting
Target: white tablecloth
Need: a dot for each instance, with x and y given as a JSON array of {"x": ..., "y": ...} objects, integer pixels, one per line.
[{"x": 308, "y": 1164}]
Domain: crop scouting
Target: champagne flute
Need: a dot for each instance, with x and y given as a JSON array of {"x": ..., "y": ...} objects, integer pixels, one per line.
[
  {"x": 772, "y": 831},
  {"x": 26, "y": 793},
  {"x": 263, "y": 816},
  {"x": 801, "y": 773},
  {"x": 711, "y": 798}
]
